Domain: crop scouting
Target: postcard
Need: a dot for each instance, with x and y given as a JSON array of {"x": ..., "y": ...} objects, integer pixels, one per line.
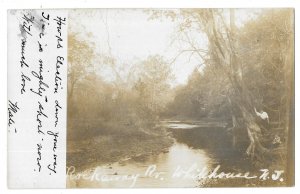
[{"x": 151, "y": 98}]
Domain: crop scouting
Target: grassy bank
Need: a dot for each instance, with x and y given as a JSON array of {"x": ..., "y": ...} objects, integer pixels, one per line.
[{"x": 113, "y": 142}]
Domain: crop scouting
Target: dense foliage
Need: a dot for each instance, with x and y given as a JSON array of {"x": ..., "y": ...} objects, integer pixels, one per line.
[{"x": 248, "y": 70}]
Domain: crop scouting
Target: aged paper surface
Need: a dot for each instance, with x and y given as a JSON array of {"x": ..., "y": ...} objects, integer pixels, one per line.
[
  {"x": 37, "y": 93},
  {"x": 147, "y": 98}
]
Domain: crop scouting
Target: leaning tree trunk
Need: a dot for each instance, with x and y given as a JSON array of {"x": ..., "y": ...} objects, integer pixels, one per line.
[
  {"x": 255, "y": 149},
  {"x": 241, "y": 110},
  {"x": 223, "y": 51}
]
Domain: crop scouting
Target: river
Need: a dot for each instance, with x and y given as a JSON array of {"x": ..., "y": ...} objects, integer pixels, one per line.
[{"x": 166, "y": 169}]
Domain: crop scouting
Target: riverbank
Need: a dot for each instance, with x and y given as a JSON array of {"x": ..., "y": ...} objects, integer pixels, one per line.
[
  {"x": 115, "y": 144},
  {"x": 267, "y": 175},
  {"x": 218, "y": 145},
  {"x": 128, "y": 151}
]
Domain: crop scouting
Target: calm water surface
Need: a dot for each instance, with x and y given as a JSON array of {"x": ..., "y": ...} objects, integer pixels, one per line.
[{"x": 151, "y": 171}]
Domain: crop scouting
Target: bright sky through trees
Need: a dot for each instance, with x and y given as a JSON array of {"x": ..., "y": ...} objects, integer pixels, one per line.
[{"x": 129, "y": 36}]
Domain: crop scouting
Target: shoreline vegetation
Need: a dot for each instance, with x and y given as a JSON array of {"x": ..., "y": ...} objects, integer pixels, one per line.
[
  {"x": 107, "y": 148},
  {"x": 240, "y": 95},
  {"x": 119, "y": 142}
]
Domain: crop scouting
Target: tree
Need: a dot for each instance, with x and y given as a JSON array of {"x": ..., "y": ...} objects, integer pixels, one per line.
[
  {"x": 227, "y": 57},
  {"x": 153, "y": 84},
  {"x": 80, "y": 56}
]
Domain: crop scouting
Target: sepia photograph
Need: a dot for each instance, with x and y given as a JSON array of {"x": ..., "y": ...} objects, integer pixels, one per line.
[{"x": 164, "y": 98}]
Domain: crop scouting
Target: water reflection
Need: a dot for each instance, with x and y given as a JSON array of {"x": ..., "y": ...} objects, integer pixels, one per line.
[
  {"x": 160, "y": 171},
  {"x": 150, "y": 171},
  {"x": 181, "y": 126}
]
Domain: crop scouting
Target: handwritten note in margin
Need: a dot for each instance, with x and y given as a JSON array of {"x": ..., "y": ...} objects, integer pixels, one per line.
[{"x": 37, "y": 93}]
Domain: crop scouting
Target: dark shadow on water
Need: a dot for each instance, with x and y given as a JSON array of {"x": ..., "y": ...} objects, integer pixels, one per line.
[{"x": 217, "y": 142}]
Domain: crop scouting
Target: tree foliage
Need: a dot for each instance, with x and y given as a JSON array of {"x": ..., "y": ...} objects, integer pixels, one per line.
[{"x": 246, "y": 67}]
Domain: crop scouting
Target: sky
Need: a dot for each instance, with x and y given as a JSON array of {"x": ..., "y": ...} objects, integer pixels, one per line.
[{"x": 132, "y": 37}]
